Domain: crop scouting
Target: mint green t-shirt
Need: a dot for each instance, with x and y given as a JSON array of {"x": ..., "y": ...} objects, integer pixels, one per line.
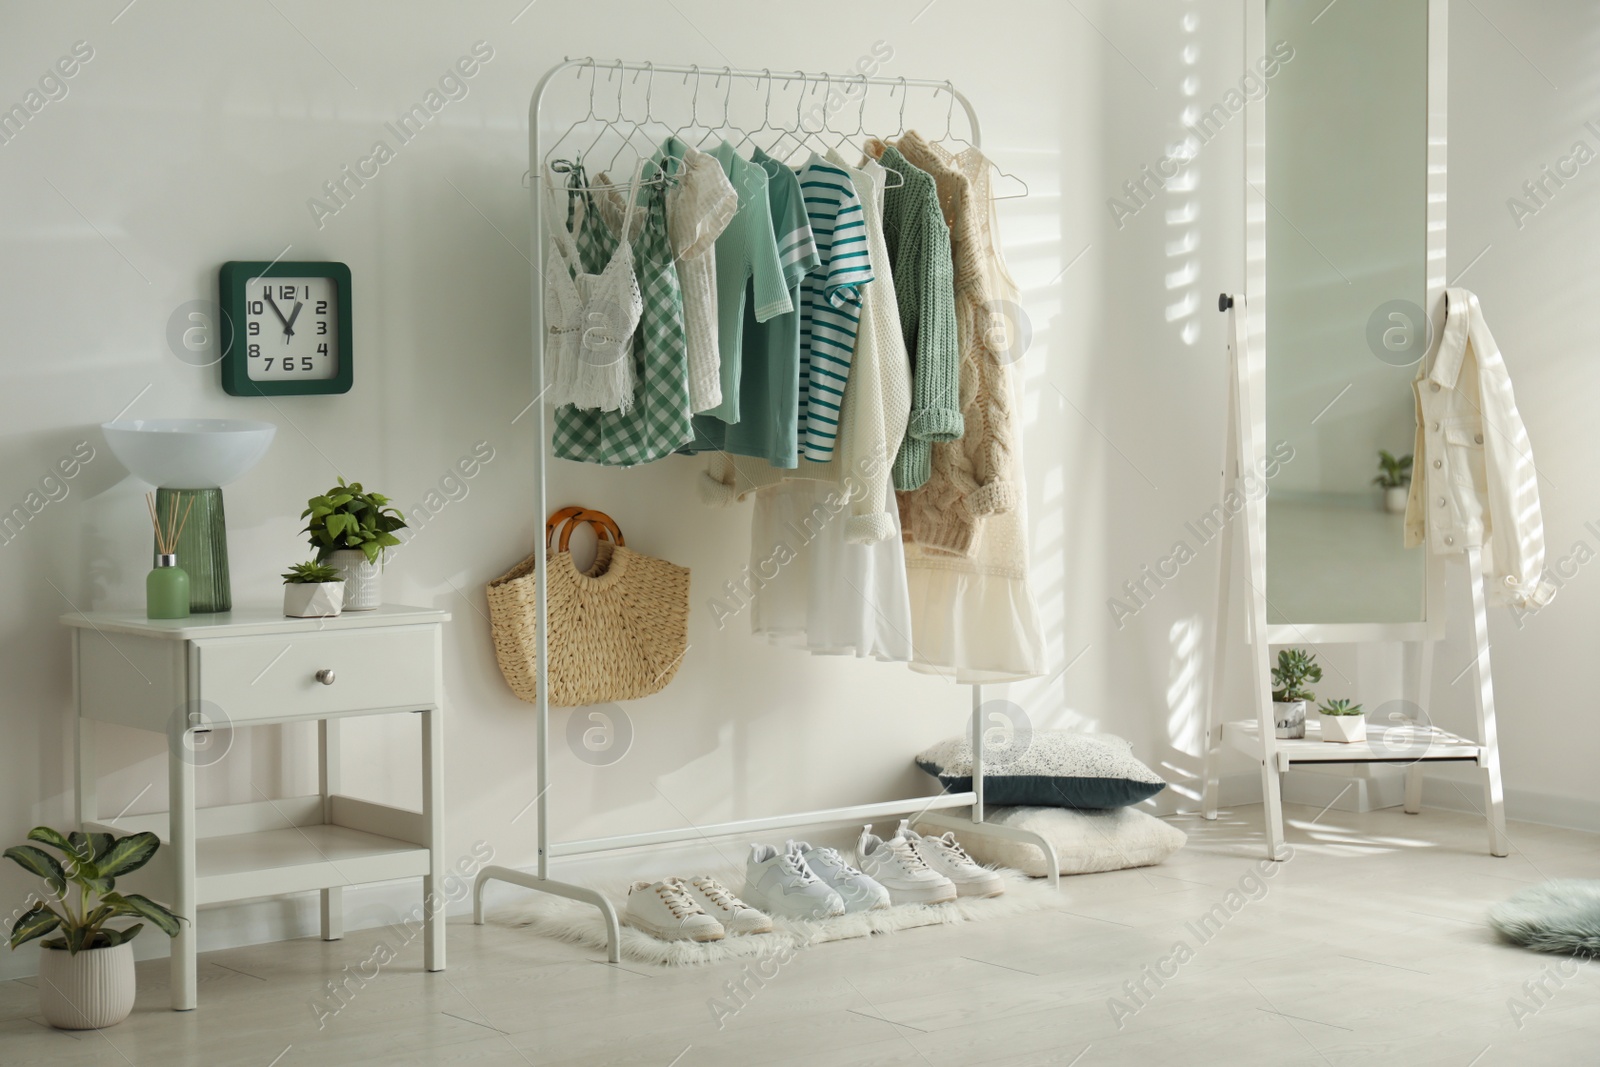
[{"x": 769, "y": 381}]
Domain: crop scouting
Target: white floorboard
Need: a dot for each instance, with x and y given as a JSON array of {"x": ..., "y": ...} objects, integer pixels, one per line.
[{"x": 1367, "y": 946}]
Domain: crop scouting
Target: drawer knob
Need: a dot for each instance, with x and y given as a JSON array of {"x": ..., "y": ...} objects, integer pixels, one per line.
[{"x": 326, "y": 676}]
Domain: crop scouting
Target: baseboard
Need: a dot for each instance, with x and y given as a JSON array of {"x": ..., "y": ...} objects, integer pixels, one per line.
[{"x": 1522, "y": 805}]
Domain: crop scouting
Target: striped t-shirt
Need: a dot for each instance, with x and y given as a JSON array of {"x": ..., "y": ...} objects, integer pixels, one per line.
[{"x": 830, "y": 302}]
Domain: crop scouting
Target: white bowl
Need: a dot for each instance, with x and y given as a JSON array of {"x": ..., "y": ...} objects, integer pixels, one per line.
[{"x": 188, "y": 453}]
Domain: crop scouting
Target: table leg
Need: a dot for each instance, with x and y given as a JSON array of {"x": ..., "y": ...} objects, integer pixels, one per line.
[
  {"x": 434, "y": 900},
  {"x": 86, "y": 789},
  {"x": 180, "y": 775},
  {"x": 328, "y": 783}
]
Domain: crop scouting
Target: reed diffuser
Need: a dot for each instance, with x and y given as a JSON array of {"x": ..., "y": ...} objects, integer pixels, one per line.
[{"x": 166, "y": 587}]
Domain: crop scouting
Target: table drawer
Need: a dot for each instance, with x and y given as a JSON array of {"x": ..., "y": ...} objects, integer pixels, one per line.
[{"x": 253, "y": 678}]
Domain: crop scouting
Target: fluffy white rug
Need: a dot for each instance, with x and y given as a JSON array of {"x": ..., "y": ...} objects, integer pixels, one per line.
[
  {"x": 580, "y": 924},
  {"x": 1562, "y": 916}
]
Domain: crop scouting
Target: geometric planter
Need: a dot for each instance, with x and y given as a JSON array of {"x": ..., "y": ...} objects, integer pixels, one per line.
[
  {"x": 312, "y": 600},
  {"x": 363, "y": 589},
  {"x": 86, "y": 991},
  {"x": 1343, "y": 729}
]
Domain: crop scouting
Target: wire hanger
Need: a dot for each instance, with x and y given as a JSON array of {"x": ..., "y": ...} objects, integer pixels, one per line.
[
  {"x": 713, "y": 132},
  {"x": 608, "y": 125},
  {"x": 766, "y": 113},
  {"x": 590, "y": 117}
]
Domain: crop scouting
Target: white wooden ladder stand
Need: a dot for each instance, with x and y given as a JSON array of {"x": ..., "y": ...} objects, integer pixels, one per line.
[
  {"x": 932, "y": 810},
  {"x": 1411, "y": 745}
]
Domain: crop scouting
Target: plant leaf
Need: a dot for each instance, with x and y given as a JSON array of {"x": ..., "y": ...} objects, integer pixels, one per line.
[
  {"x": 35, "y": 922},
  {"x": 145, "y": 908},
  {"x": 128, "y": 854},
  {"x": 55, "y": 839},
  {"x": 113, "y": 937},
  {"x": 40, "y": 862}
]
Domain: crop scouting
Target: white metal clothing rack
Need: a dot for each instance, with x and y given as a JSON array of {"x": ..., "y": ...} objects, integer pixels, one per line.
[{"x": 934, "y": 809}]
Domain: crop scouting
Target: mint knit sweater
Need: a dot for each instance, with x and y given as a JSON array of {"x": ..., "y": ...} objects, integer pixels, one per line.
[{"x": 924, "y": 283}]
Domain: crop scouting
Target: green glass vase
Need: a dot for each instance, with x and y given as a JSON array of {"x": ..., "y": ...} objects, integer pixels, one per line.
[
  {"x": 203, "y": 547},
  {"x": 166, "y": 590}
]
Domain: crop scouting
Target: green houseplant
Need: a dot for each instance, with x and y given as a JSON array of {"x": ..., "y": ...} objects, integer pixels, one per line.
[
  {"x": 1394, "y": 478},
  {"x": 350, "y": 528},
  {"x": 313, "y": 590},
  {"x": 1290, "y": 696},
  {"x": 86, "y": 970},
  {"x": 1342, "y": 722}
]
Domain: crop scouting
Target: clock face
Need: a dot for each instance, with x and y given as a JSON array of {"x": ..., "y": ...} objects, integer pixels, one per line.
[
  {"x": 291, "y": 328},
  {"x": 286, "y": 328}
]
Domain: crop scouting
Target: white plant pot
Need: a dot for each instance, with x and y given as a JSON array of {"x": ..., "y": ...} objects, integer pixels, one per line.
[
  {"x": 86, "y": 991},
  {"x": 1289, "y": 719},
  {"x": 312, "y": 600},
  {"x": 1343, "y": 729},
  {"x": 363, "y": 581},
  {"x": 1394, "y": 499}
]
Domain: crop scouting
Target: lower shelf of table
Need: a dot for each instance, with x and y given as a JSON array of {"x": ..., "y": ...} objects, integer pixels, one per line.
[
  {"x": 283, "y": 846},
  {"x": 1383, "y": 745}
]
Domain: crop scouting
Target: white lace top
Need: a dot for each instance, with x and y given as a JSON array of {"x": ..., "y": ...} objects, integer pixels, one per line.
[
  {"x": 699, "y": 208},
  {"x": 589, "y": 318}
]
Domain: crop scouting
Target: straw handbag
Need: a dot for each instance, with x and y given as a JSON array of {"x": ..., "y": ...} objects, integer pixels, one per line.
[{"x": 618, "y": 631}]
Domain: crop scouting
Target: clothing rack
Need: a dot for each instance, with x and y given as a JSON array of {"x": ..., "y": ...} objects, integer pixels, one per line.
[{"x": 932, "y": 810}]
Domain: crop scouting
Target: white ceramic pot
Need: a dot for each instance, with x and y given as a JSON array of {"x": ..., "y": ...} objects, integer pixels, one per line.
[
  {"x": 312, "y": 600},
  {"x": 1394, "y": 499},
  {"x": 1289, "y": 719},
  {"x": 363, "y": 581},
  {"x": 86, "y": 991},
  {"x": 1343, "y": 729}
]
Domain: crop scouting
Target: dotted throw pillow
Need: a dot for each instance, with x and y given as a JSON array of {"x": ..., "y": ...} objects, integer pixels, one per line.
[{"x": 1048, "y": 768}]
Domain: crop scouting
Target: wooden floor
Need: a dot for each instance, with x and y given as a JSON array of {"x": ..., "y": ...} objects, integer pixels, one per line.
[{"x": 1368, "y": 946}]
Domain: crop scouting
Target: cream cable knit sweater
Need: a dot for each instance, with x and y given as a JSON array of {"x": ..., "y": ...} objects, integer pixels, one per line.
[
  {"x": 877, "y": 398},
  {"x": 971, "y": 477}
]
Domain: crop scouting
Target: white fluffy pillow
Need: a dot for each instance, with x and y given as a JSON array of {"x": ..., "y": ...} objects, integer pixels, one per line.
[{"x": 1085, "y": 841}]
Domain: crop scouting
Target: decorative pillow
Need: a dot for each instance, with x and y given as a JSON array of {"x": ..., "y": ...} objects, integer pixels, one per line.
[
  {"x": 1085, "y": 841},
  {"x": 1055, "y": 768}
]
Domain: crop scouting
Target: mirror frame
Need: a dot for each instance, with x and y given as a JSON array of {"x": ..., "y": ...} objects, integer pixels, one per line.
[{"x": 1431, "y": 625}]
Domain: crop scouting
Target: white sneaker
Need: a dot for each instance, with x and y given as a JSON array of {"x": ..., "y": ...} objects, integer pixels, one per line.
[
  {"x": 896, "y": 866},
  {"x": 780, "y": 883},
  {"x": 735, "y": 915},
  {"x": 859, "y": 892},
  {"x": 662, "y": 909},
  {"x": 946, "y": 856}
]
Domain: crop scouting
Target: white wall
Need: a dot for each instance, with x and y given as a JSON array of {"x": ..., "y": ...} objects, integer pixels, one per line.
[{"x": 197, "y": 135}]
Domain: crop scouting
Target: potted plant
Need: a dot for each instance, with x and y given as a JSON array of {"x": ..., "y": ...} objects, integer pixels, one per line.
[
  {"x": 1342, "y": 722},
  {"x": 1290, "y": 697},
  {"x": 86, "y": 977},
  {"x": 350, "y": 528},
  {"x": 1394, "y": 478},
  {"x": 312, "y": 590}
]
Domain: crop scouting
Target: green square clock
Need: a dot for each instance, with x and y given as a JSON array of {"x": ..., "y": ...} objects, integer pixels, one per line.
[{"x": 287, "y": 328}]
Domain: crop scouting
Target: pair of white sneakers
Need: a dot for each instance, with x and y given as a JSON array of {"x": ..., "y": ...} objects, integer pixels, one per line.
[
  {"x": 803, "y": 882},
  {"x": 924, "y": 870},
  {"x": 691, "y": 909}
]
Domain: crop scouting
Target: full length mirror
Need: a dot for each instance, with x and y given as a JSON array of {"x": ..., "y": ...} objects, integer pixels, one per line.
[{"x": 1346, "y": 284}]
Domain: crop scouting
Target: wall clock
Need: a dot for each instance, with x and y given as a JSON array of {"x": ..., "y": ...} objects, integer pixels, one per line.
[{"x": 287, "y": 328}]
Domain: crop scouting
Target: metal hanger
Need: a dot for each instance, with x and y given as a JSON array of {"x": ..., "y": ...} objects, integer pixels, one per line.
[
  {"x": 608, "y": 125},
  {"x": 949, "y": 135},
  {"x": 694, "y": 103},
  {"x": 593, "y": 73},
  {"x": 766, "y": 113},
  {"x": 727, "y": 100}
]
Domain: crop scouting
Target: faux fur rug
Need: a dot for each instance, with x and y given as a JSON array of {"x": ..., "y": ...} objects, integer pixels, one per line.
[
  {"x": 580, "y": 924},
  {"x": 1561, "y": 916}
]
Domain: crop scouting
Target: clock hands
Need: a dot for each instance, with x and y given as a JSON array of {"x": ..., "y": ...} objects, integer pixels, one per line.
[
  {"x": 288, "y": 326},
  {"x": 275, "y": 310}
]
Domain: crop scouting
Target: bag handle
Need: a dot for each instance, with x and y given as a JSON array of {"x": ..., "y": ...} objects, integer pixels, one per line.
[{"x": 570, "y": 518}]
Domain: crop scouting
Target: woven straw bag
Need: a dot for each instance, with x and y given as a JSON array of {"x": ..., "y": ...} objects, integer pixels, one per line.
[{"x": 618, "y": 631}]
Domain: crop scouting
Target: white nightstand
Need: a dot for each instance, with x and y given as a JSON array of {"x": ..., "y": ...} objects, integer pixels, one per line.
[{"x": 200, "y": 676}]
